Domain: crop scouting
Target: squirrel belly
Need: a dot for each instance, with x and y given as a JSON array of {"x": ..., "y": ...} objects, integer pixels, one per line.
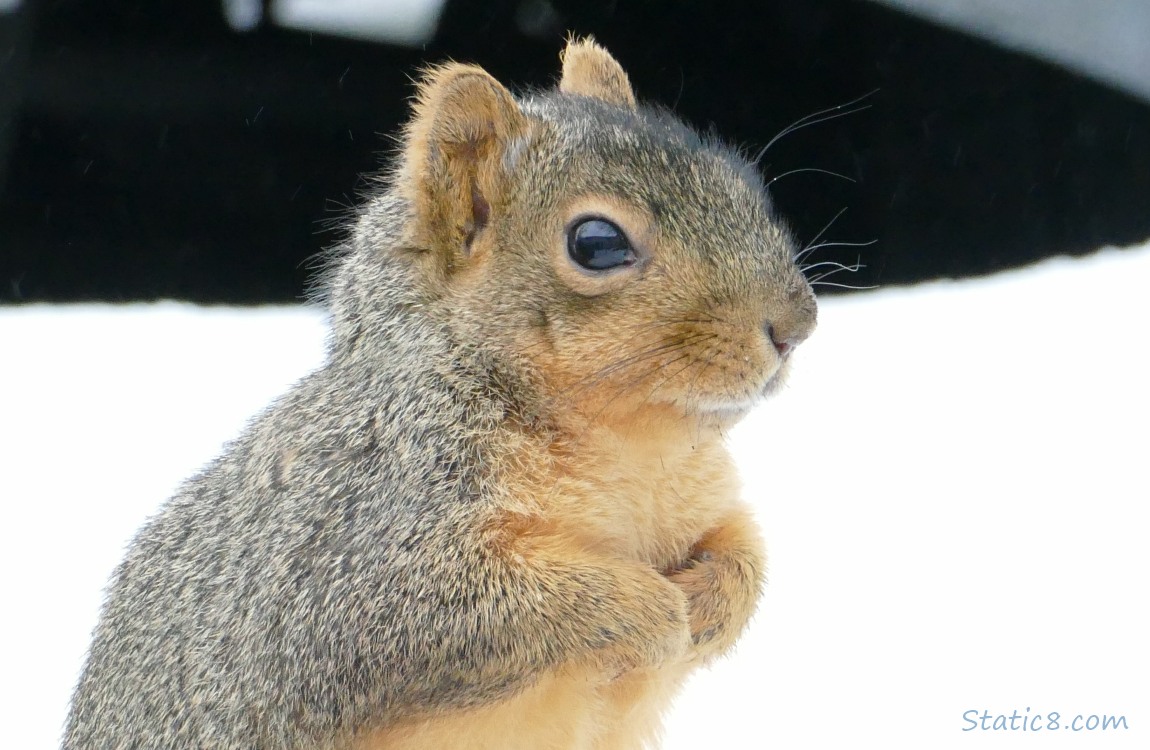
[
  {"x": 501, "y": 514},
  {"x": 571, "y": 709}
]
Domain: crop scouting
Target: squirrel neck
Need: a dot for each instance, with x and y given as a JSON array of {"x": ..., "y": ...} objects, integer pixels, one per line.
[
  {"x": 655, "y": 428},
  {"x": 645, "y": 487}
]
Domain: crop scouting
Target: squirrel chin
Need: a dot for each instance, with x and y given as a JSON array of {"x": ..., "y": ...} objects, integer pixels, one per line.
[
  {"x": 776, "y": 382},
  {"x": 724, "y": 412},
  {"x": 727, "y": 412},
  {"x": 724, "y": 416}
]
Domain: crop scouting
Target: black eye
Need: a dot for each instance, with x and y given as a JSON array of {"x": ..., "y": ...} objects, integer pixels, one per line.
[{"x": 599, "y": 245}]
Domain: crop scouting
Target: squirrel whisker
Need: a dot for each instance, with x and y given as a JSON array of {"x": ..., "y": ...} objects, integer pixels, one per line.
[
  {"x": 808, "y": 169},
  {"x": 602, "y": 374},
  {"x": 807, "y": 251},
  {"x": 835, "y": 263},
  {"x": 814, "y": 118},
  {"x": 798, "y": 257},
  {"x": 843, "y": 286},
  {"x": 836, "y": 267}
]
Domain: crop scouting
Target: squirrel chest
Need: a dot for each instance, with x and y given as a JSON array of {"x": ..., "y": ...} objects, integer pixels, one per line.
[{"x": 644, "y": 492}]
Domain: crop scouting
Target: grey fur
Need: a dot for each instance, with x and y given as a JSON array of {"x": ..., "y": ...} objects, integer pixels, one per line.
[{"x": 327, "y": 572}]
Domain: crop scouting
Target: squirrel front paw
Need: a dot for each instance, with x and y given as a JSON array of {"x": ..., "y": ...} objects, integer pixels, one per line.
[
  {"x": 653, "y": 630},
  {"x": 721, "y": 587}
]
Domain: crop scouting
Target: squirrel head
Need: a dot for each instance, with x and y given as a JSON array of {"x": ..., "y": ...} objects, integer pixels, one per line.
[{"x": 603, "y": 250}]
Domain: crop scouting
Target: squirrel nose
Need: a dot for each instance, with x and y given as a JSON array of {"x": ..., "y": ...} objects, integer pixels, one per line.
[
  {"x": 791, "y": 320},
  {"x": 784, "y": 338},
  {"x": 782, "y": 345}
]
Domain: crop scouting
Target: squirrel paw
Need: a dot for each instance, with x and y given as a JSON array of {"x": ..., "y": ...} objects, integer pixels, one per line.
[
  {"x": 653, "y": 633},
  {"x": 721, "y": 594}
]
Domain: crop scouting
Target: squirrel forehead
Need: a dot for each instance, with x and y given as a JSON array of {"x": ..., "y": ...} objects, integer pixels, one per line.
[{"x": 648, "y": 156}]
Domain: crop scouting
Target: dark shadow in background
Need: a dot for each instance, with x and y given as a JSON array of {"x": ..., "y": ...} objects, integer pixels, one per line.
[{"x": 152, "y": 152}]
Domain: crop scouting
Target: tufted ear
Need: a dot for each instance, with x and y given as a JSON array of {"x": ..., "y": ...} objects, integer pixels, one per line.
[
  {"x": 463, "y": 124},
  {"x": 589, "y": 70}
]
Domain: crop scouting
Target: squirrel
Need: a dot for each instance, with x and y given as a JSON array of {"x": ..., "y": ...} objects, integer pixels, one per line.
[{"x": 501, "y": 514}]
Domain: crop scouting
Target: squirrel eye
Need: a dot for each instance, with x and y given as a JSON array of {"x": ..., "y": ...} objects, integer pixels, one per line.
[{"x": 599, "y": 245}]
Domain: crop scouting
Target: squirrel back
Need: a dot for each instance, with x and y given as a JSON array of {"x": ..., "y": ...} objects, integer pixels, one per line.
[{"x": 508, "y": 475}]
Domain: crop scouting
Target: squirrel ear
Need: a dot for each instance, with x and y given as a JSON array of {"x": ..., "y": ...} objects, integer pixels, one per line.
[
  {"x": 589, "y": 70},
  {"x": 453, "y": 147}
]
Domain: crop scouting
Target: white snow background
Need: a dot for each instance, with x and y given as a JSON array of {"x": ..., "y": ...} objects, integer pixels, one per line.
[{"x": 953, "y": 489}]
